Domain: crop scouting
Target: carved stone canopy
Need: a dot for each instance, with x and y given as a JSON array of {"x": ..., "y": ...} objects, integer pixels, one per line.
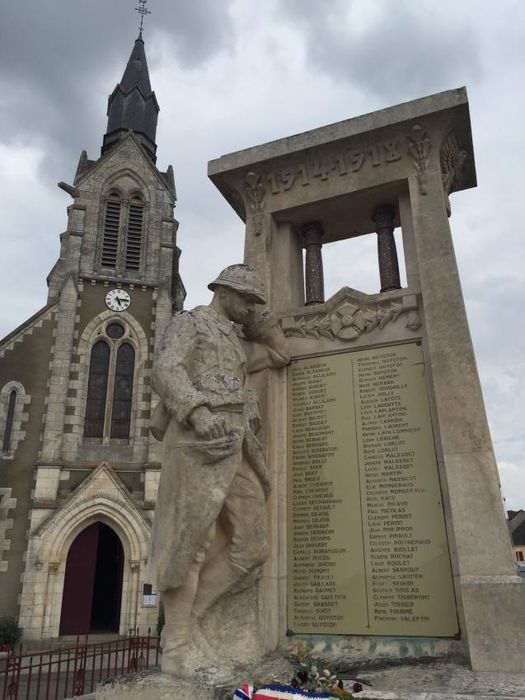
[{"x": 304, "y": 177}]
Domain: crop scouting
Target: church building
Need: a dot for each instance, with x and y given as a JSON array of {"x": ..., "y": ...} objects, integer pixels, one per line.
[{"x": 79, "y": 468}]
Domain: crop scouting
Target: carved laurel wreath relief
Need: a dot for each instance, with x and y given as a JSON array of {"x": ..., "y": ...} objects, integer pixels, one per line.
[
  {"x": 452, "y": 160},
  {"x": 348, "y": 320}
]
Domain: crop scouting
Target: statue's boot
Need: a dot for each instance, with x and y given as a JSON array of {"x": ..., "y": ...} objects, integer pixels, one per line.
[
  {"x": 201, "y": 641},
  {"x": 185, "y": 660},
  {"x": 180, "y": 656},
  {"x": 216, "y": 579}
]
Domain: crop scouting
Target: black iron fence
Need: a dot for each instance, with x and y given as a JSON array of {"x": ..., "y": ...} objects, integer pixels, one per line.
[{"x": 75, "y": 670}]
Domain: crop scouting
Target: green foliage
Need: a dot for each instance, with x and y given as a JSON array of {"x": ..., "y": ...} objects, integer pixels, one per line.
[{"x": 10, "y": 632}]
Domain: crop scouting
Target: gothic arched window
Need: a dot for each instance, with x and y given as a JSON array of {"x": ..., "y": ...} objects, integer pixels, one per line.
[
  {"x": 14, "y": 404},
  {"x": 110, "y": 385},
  {"x": 8, "y": 429},
  {"x": 122, "y": 391},
  {"x": 97, "y": 390}
]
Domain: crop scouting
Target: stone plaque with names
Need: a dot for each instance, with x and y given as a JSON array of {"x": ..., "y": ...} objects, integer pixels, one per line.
[{"x": 367, "y": 547}]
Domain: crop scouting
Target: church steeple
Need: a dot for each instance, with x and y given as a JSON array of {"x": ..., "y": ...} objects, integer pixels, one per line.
[
  {"x": 132, "y": 104},
  {"x": 136, "y": 72}
]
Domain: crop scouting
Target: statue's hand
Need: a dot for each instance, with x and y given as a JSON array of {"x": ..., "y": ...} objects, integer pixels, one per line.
[
  {"x": 257, "y": 323},
  {"x": 207, "y": 424}
]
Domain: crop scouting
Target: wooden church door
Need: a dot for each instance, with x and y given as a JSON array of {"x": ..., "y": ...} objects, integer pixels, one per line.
[{"x": 93, "y": 582}]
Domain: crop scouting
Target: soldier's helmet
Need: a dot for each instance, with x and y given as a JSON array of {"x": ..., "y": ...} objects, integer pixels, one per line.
[{"x": 243, "y": 279}]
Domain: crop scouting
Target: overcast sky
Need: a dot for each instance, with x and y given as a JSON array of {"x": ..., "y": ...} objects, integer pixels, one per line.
[{"x": 232, "y": 74}]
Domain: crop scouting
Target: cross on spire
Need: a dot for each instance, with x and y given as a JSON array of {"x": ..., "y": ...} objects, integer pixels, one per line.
[{"x": 141, "y": 9}]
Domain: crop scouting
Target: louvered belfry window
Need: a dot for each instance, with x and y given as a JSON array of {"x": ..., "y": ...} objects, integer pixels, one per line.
[
  {"x": 134, "y": 234},
  {"x": 122, "y": 233},
  {"x": 97, "y": 390},
  {"x": 111, "y": 232}
]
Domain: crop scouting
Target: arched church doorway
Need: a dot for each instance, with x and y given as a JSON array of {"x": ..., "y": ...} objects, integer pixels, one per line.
[{"x": 93, "y": 582}]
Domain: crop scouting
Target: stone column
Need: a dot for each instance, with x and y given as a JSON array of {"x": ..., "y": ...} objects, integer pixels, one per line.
[
  {"x": 287, "y": 270},
  {"x": 386, "y": 248},
  {"x": 489, "y": 593},
  {"x": 312, "y": 234},
  {"x": 259, "y": 225},
  {"x": 134, "y": 593}
]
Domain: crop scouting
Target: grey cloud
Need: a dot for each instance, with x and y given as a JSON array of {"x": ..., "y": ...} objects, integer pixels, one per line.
[
  {"x": 197, "y": 30},
  {"x": 55, "y": 56},
  {"x": 404, "y": 52},
  {"x": 89, "y": 34}
]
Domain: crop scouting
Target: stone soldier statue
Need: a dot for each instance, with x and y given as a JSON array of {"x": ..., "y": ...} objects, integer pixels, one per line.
[{"x": 213, "y": 465}]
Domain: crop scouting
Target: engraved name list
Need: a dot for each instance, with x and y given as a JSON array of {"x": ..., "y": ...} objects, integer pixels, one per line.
[{"x": 368, "y": 552}]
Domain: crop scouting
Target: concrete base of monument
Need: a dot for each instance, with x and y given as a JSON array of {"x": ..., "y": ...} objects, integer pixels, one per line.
[
  {"x": 351, "y": 650},
  {"x": 440, "y": 680},
  {"x": 434, "y": 680},
  {"x": 206, "y": 684},
  {"x": 387, "y": 695},
  {"x": 153, "y": 685}
]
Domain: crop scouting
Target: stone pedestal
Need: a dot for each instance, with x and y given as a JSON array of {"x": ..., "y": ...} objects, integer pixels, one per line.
[
  {"x": 155, "y": 686},
  {"x": 207, "y": 684},
  {"x": 441, "y": 680}
]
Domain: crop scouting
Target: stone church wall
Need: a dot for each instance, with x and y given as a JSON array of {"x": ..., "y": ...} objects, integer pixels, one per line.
[{"x": 25, "y": 360}]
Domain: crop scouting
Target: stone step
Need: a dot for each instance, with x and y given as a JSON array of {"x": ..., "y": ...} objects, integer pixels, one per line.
[
  {"x": 440, "y": 680},
  {"x": 388, "y": 695}
]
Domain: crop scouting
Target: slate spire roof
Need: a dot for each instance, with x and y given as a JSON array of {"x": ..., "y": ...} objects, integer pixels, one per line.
[
  {"x": 132, "y": 104},
  {"x": 136, "y": 72}
]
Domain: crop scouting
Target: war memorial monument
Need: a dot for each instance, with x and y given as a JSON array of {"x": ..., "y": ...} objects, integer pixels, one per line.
[{"x": 385, "y": 535}]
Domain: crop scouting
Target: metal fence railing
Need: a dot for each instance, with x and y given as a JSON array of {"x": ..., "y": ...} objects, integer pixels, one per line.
[{"x": 71, "y": 671}]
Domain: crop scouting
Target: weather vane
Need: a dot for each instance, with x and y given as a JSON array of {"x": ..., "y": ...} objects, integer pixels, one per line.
[{"x": 141, "y": 9}]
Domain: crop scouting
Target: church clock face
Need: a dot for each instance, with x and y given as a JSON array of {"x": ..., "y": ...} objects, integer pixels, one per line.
[{"x": 117, "y": 300}]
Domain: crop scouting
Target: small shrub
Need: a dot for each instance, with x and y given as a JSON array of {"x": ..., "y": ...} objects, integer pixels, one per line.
[{"x": 10, "y": 632}]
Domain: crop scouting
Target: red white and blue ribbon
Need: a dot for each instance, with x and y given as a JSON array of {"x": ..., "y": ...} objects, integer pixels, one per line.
[
  {"x": 276, "y": 692},
  {"x": 245, "y": 692}
]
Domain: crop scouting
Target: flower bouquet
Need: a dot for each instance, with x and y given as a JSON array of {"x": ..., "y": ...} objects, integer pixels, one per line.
[{"x": 306, "y": 682}]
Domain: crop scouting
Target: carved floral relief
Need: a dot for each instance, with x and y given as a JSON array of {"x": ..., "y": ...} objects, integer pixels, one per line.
[
  {"x": 255, "y": 193},
  {"x": 419, "y": 146}
]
